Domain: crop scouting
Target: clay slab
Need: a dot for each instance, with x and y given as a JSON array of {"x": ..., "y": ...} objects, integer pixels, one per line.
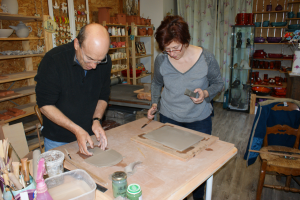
[
  {"x": 174, "y": 138},
  {"x": 102, "y": 158}
]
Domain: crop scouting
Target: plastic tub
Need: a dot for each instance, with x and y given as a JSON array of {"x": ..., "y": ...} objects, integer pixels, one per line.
[
  {"x": 76, "y": 184},
  {"x": 53, "y": 162}
]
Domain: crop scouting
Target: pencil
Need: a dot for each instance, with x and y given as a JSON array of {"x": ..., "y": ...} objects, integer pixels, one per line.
[{"x": 68, "y": 153}]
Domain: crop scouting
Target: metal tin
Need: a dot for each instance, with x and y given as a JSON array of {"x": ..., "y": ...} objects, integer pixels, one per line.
[{"x": 119, "y": 183}]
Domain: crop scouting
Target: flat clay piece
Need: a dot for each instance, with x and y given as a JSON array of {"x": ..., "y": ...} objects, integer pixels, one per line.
[
  {"x": 102, "y": 158},
  {"x": 174, "y": 138}
]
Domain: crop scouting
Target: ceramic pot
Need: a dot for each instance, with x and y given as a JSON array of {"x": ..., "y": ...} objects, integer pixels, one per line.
[
  {"x": 250, "y": 19},
  {"x": 148, "y": 22},
  {"x": 291, "y": 14},
  {"x": 143, "y": 21},
  {"x": 22, "y": 30},
  {"x": 269, "y": 8},
  {"x": 138, "y": 20},
  {"x": 142, "y": 31},
  {"x": 149, "y": 31},
  {"x": 266, "y": 23},
  {"x": 12, "y": 6},
  {"x": 241, "y": 19}
]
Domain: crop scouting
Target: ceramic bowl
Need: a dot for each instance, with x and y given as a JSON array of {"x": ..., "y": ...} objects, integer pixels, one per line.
[
  {"x": 257, "y": 24},
  {"x": 274, "y": 55},
  {"x": 261, "y": 90},
  {"x": 259, "y": 39},
  {"x": 294, "y": 26},
  {"x": 278, "y": 8},
  {"x": 274, "y": 39},
  {"x": 5, "y": 33},
  {"x": 278, "y": 24}
]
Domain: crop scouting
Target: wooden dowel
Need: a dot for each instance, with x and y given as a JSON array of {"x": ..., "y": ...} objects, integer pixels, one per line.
[
  {"x": 1, "y": 150},
  {"x": 6, "y": 179},
  {"x": 16, "y": 182},
  {"x": 25, "y": 170},
  {"x": 16, "y": 168},
  {"x": 276, "y": 154}
]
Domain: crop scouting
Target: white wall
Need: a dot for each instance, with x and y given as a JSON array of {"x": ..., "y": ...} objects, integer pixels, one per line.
[{"x": 156, "y": 10}]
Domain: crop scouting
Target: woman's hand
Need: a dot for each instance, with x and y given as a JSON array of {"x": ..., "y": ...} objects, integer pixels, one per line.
[
  {"x": 152, "y": 111},
  {"x": 202, "y": 95}
]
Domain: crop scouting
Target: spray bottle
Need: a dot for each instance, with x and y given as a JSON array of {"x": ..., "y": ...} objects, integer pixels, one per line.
[{"x": 41, "y": 187}]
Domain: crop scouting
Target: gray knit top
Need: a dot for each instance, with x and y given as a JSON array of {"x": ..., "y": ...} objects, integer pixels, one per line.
[{"x": 204, "y": 74}]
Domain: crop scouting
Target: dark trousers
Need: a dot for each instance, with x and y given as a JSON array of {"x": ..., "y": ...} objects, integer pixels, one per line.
[{"x": 204, "y": 126}]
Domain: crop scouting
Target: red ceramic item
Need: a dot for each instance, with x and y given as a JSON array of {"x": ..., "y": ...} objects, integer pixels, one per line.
[
  {"x": 148, "y": 22},
  {"x": 149, "y": 31},
  {"x": 288, "y": 56},
  {"x": 113, "y": 20},
  {"x": 138, "y": 73},
  {"x": 142, "y": 31},
  {"x": 103, "y": 15},
  {"x": 138, "y": 20},
  {"x": 261, "y": 89},
  {"x": 250, "y": 18},
  {"x": 121, "y": 18},
  {"x": 131, "y": 18},
  {"x": 143, "y": 21},
  {"x": 272, "y": 81},
  {"x": 274, "y": 55},
  {"x": 241, "y": 19}
]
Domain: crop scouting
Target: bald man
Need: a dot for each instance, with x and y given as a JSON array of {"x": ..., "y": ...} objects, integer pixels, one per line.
[{"x": 72, "y": 90}]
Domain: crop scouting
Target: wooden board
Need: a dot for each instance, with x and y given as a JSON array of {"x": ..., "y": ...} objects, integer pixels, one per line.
[
  {"x": 5, "y": 57},
  {"x": 18, "y": 76},
  {"x": 184, "y": 155}
]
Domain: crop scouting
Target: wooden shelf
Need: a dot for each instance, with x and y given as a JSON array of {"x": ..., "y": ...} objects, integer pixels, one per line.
[
  {"x": 286, "y": 43},
  {"x": 117, "y": 48},
  {"x": 283, "y": 85},
  {"x": 7, "y": 16},
  {"x": 115, "y": 24},
  {"x": 268, "y": 97},
  {"x": 17, "y": 38},
  {"x": 18, "y": 76},
  {"x": 269, "y": 27},
  {"x": 273, "y": 59},
  {"x": 119, "y": 59},
  {"x": 143, "y": 56},
  {"x": 293, "y": 2},
  {"x": 142, "y": 76},
  {"x": 6, "y": 57},
  {"x": 143, "y": 36},
  {"x": 116, "y": 36},
  {"x": 253, "y": 69},
  {"x": 264, "y": 12},
  {"x": 292, "y": 18},
  {"x": 143, "y": 26},
  {"x": 119, "y": 70},
  {"x": 19, "y": 92},
  {"x": 28, "y": 108}
]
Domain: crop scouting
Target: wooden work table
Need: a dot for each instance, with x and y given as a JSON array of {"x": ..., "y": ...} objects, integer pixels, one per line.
[{"x": 160, "y": 176}]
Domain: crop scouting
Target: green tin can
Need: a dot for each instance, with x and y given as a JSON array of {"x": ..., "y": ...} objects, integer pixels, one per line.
[
  {"x": 134, "y": 192},
  {"x": 119, "y": 184}
]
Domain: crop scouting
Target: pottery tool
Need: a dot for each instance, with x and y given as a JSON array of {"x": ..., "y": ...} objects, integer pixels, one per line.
[
  {"x": 25, "y": 171},
  {"x": 191, "y": 93},
  {"x": 150, "y": 120},
  {"x": 15, "y": 181},
  {"x": 16, "y": 167},
  {"x": 36, "y": 155},
  {"x": 68, "y": 153},
  {"x": 141, "y": 152},
  {"x": 276, "y": 154},
  {"x": 79, "y": 166}
]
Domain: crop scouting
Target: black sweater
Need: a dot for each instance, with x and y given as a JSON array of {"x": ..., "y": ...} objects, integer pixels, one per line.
[{"x": 62, "y": 82}]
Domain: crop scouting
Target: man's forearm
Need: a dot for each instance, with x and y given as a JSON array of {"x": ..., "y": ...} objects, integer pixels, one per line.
[
  {"x": 56, "y": 116},
  {"x": 100, "y": 109}
]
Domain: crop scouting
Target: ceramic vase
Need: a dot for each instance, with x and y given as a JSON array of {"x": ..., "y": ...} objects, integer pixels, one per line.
[
  {"x": 149, "y": 31},
  {"x": 12, "y": 6}
]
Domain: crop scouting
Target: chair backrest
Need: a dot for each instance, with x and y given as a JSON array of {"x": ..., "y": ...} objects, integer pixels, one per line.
[
  {"x": 39, "y": 114},
  {"x": 284, "y": 129}
]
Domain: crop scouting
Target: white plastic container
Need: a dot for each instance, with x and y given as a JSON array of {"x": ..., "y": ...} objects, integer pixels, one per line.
[
  {"x": 54, "y": 160},
  {"x": 76, "y": 184}
]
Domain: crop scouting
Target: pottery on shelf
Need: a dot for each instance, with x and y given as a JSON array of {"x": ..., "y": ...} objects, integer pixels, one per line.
[
  {"x": 5, "y": 33},
  {"x": 22, "y": 30},
  {"x": 149, "y": 31},
  {"x": 12, "y": 6}
]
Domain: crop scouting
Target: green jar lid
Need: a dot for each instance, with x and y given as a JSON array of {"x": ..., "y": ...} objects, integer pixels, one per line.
[
  {"x": 119, "y": 175},
  {"x": 133, "y": 188}
]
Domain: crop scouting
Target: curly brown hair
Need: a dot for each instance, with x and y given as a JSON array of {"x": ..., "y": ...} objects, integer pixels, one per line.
[{"x": 172, "y": 28}]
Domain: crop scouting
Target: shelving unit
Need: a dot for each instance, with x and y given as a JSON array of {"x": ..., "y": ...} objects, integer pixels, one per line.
[
  {"x": 29, "y": 73},
  {"x": 134, "y": 57},
  {"x": 118, "y": 39}
]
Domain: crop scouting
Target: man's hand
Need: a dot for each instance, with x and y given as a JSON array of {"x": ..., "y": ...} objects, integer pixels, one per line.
[
  {"x": 82, "y": 138},
  {"x": 152, "y": 111},
  {"x": 202, "y": 95},
  {"x": 100, "y": 134}
]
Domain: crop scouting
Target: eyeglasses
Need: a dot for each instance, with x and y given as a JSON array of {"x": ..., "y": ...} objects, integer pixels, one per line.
[
  {"x": 89, "y": 60},
  {"x": 174, "y": 50}
]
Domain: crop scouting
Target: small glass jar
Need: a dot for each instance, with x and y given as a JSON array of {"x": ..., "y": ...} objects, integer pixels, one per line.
[
  {"x": 119, "y": 183},
  {"x": 134, "y": 192}
]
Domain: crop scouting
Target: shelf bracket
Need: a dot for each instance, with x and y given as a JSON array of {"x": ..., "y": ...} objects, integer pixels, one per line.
[
  {"x": 14, "y": 103},
  {"x": 11, "y": 85}
]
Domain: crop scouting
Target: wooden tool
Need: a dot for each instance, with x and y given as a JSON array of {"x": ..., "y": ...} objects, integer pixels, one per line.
[
  {"x": 25, "y": 171},
  {"x": 16, "y": 168},
  {"x": 15, "y": 181},
  {"x": 96, "y": 178},
  {"x": 150, "y": 120},
  {"x": 276, "y": 154}
]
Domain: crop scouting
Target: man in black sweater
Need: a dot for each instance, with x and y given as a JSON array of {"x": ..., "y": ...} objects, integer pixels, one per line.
[{"x": 73, "y": 87}]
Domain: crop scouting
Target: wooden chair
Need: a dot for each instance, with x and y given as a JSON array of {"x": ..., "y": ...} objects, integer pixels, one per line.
[
  {"x": 278, "y": 164},
  {"x": 40, "y": 117}
]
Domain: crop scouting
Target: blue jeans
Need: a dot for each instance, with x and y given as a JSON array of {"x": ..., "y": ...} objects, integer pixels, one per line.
[
  {"x": 50, "y": 144},
  {"x": 204, "y": 126}
]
